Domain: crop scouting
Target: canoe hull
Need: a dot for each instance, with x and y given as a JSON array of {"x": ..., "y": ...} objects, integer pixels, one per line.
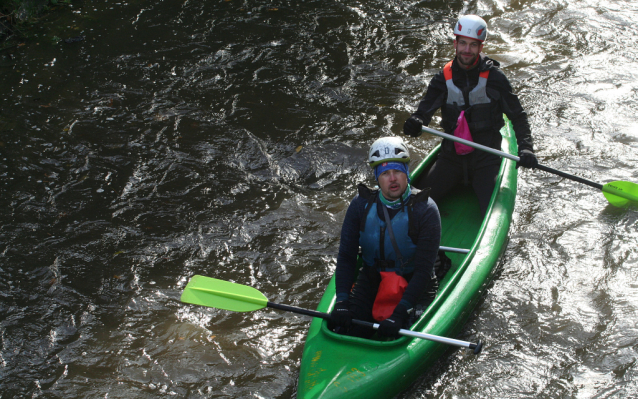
[{"x": 336, "y": 366}]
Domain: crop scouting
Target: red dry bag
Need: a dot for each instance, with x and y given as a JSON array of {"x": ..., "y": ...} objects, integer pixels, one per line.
[{"x": 390, "y": 292}]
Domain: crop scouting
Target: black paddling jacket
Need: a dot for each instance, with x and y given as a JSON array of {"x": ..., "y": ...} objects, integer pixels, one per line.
[{"x": 485, "y": 120}]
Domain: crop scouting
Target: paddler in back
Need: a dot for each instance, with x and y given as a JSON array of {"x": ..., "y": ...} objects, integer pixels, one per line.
[
  {"x": 398, "y": 229},
  {"x": 473, "y": 94}
]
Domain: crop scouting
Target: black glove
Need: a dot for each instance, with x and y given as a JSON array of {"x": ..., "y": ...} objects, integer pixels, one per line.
[
  {"x": 412, "y": 127},
  {"x": 389, "y": 328},
  {"x": 528, "y": 159},
  {"x": 341, "y": 315}
]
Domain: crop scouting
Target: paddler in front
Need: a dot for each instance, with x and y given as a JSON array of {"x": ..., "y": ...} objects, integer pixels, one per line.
[
  {"x": 473, "y": 94},
  {"x": 398, "y": 229}
]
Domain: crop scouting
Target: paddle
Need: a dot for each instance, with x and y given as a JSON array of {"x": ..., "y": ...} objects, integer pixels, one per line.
[
  {"x": 220, "y": 294},
  {"x": 618, "y": 193}
]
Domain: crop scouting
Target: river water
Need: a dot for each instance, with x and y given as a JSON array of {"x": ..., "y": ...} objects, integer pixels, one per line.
[{"x": 225, "y": 138}]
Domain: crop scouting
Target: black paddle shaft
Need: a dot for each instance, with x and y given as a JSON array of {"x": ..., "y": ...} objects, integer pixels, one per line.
[
  {"x": 294, "y": 309},
  {"x": 510, "y": 156},
  {"x": 313, "y": 313},
  {"x": 571, "y": 177}
]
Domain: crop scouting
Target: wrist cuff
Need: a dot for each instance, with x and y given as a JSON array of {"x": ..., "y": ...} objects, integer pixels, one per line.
[{"x": 342, "y": 297}]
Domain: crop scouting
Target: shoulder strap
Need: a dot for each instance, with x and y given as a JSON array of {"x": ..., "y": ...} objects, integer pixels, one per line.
[
  {"x": 416, "y": 197},
  {"x": 369, "y": 195},
  {"x": 454, "y": 93},
  {"x": 397, "y": 251}
]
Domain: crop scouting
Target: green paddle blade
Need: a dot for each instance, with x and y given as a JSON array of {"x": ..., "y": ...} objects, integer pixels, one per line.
[
  {"x": 619, "y": 193},
  {"x": 220, "y": 294}
]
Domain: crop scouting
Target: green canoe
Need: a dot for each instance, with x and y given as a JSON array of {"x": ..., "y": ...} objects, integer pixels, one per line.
[{"x": 337, "y": 366}]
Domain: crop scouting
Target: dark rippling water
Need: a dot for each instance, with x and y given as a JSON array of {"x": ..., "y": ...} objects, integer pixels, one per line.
[{"x": 225, "y": 138}]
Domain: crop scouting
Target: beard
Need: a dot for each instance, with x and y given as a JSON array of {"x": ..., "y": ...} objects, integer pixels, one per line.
[{"x": 466, "y": 60}]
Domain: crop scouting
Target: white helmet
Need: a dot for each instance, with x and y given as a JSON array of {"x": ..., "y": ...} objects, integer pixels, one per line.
[
  {"x": 388, "y": 149},
  {"x": 471, "y": 26}
]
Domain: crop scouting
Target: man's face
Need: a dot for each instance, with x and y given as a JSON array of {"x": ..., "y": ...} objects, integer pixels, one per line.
[
  {"x": 467, "y": 50},
  {"x": 393, "y": 184}
]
